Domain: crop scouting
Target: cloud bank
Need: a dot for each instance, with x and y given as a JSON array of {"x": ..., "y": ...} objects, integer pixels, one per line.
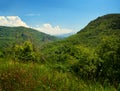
[
  {"x": 14, "y": 21},
  {"x": 49, "y": 29}
]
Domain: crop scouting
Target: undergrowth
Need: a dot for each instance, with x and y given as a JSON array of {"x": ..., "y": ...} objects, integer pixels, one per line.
[{"x": 16, "y": 76}]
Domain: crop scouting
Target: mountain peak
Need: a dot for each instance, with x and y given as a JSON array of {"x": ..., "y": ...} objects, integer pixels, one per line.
[{"x": 106, "y": 22}]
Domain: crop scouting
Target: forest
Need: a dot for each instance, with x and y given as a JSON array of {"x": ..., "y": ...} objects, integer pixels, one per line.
[{"x": 86, "y": 61}]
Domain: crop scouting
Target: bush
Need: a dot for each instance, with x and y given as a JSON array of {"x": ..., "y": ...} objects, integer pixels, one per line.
[
  {"x": 1, "y": 54},
  {"x": 86, "y": 66},
  {"x": 109, "y": 54},
  {"x": 26, "y": 52},
  {"x": 16, "y": 79}
]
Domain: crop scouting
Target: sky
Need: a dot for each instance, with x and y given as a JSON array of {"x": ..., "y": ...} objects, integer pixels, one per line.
[{"x": 55, "y": 16}]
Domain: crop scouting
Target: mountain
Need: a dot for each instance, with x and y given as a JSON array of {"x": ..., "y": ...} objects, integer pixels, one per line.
[
  {"x": 17, "y": 35},
  {"x": 91, "y": 36},
  {"x": 92, "y": 54},
  {"x": 64, "y": 35},
  {"x": 97, "y": 29}
]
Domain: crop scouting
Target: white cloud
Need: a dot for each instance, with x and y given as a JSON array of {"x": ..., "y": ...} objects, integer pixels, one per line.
[
  {"x": 15, "y": 21},
  {"x": 49, "y": 29},
  {"x": 11, "y": 21}
]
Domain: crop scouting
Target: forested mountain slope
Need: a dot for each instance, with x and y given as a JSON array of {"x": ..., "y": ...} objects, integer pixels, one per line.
[
  {"x": 92, "y": 53},
  {"x": 86, "y": 61},
  {"x": 10, "y": 36},
  {"x": 97, "y": 29},
  {"x": 94, "y": 33}
]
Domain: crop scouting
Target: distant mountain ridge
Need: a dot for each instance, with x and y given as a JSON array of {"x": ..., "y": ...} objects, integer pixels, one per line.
[
  {"x": 65, "y": 35},
  {"x": 17, "y": 35}
]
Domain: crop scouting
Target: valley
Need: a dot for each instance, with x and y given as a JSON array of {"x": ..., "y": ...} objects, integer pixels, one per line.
[{"x": 85, "y": 61}]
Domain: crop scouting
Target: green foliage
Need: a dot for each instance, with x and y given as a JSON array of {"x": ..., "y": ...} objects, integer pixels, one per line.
[
  {"x": 15, "y": 76},
  {"x": 86, "y": 61},
  {"x": 1, "y": 54},
  {"x": 86, "y": 66},
  {"x": 10, "y": 36},
  {"x": 25, "y": 52},
  {"x": 109, "y": 53},
  {"x": 91, "y": 54}
]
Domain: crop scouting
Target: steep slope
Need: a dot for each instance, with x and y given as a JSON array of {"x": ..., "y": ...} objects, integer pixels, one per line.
[
  {"x": 17, "y": 35},
  {"x": 97, "y": 29},
  {"x": 91, "y": 37},
  {"x": 91, "y": 54}
]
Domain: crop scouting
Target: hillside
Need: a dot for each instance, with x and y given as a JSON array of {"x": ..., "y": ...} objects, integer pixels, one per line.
[
  {"x": 97, "y": 29},
  {"x": 86, "y": 61},
  {"x": 94, "y": 32},
  {"x": 17, "y": 35},
  {"x": 92, "y": 53}
]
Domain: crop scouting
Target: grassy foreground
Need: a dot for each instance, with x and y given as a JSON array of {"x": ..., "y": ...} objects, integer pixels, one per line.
[{"x": 16, "y": 76}]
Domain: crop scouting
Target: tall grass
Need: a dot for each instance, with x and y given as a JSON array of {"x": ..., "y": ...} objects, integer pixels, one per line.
[{"x": 16, "y": 76}]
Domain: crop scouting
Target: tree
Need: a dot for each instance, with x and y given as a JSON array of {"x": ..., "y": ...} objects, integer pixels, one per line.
[
  {"x": 109, "y": 54},
  {"x": 25, "y": 52},
  {"x": 86, "y": 65}
]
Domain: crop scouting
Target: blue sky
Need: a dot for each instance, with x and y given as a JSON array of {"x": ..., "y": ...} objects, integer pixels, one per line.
[{"x": 69, "y": 14}]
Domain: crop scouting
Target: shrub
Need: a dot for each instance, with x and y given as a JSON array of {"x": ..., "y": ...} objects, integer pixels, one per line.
[{"x": 26, "y": 52}]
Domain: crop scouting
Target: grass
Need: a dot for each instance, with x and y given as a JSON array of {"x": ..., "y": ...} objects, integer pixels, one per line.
[{"x": 16, "y": 76}]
